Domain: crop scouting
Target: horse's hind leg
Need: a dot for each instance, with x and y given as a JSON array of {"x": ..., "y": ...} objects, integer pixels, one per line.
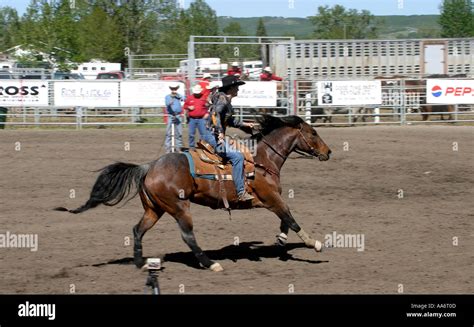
[
  {"x": 150, "y": 217},
  {"x": 282, "y": 238},
  {"x": 185, "y": 222}
]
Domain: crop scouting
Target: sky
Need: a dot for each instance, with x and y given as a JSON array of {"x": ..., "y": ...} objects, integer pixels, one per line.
[{"x": 296, "y": 8}]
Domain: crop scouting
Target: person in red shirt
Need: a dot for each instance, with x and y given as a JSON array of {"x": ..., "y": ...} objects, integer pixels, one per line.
[
  {"x": 234, "y": 70},
  {"x": 195, "y": 106},
  {"x": 204, "y": 83},
  {"x": 268, "y": 76}
]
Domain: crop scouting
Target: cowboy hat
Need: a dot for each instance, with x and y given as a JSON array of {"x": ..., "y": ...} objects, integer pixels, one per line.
[
  {"x": 207, "y": 75},
  {"x": 267, "y": 69},
  {"x": 197, "y": 89},
  {"x": 174, "y": 86},
  {"x": 229, "y": 81}
]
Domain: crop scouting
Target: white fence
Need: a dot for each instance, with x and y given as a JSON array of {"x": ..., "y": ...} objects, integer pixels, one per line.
[{"x": 102, "y": 103}]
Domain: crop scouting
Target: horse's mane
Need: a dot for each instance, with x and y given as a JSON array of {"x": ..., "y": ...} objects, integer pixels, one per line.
[{"x": 269, "y": 123}]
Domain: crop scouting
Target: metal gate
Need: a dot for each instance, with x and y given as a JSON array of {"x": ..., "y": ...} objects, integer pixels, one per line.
[{"x": 434, "y": 58}]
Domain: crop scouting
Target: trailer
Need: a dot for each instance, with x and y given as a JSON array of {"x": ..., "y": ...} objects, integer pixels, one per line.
[
  {"x": 90, "y": 70},
  {"x": 315, "y": 59}
]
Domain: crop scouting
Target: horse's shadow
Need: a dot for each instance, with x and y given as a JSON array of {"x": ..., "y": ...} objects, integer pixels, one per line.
[{"x": 252, "y": 251}]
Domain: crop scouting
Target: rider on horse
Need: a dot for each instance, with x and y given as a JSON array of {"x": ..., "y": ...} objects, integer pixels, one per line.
[{"x": 221, "y": 117}]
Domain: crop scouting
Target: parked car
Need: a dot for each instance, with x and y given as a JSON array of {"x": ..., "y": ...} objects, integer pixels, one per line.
[
  {"x": 66, "y": 75},
  {"x": 5, "y": 74},
  {"x": 111, "y": 75}
]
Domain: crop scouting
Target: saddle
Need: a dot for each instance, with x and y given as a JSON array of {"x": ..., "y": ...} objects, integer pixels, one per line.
[{"x": 204, "y": 162}]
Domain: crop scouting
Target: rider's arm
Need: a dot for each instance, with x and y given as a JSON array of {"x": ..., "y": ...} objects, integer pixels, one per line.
[
  {"x": 235, "y": 122},
  {"x": 219, "y": 107}
]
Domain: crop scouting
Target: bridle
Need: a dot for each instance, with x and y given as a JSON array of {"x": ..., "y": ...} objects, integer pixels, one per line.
[
  {"x": 312, "y": 151},
  {"x": 274, "y": 150}
]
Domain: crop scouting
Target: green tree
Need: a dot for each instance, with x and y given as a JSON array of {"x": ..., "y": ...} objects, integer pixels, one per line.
[
  {"x": 65, "y": 26},
  {"x": 49, "y": 27},
  {"x": 175, "y": 34},
  {"x": 30, "y": 29},
  {"x": 457, "y": 18},
  {"x": 104, "y": 45},
  {"x": 341, "y": 23},
  {"x": 428, "y": 32},
  {"x": 138, "y": 22},
  {"x": 38, "y": 31},
  {"x": 9, "y": 26},
  {"x": 262, "y": 51},
  {"x": 261, "y": 30},
  {"x": 178, "y": 24},
  {"x": 236, "y": 52},
  {"x": 202, "y": 20},
  {"x": 233, "y": 29}
]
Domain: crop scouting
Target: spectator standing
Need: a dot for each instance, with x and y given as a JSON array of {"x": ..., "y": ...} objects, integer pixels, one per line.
[
  {"x": 174, "y": 129},
  {"x": 195, "y": 105},
  {"x": 234, "y": 70},
  {"x": 267, "y": 75},
  {"x": 205, "y": 85}
]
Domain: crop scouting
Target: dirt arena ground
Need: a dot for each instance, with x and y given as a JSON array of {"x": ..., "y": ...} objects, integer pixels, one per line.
[{"x": 408, "y": 242}]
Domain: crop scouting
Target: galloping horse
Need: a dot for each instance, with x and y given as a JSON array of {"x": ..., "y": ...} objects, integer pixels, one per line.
[{"x": 166, "y": 185}]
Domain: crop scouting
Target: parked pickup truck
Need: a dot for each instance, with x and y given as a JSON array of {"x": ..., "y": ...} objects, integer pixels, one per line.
[{"x": 111, "y": 75}]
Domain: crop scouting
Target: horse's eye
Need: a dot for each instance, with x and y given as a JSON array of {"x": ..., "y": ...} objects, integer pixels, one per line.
[{"x": 314, "y": 132}]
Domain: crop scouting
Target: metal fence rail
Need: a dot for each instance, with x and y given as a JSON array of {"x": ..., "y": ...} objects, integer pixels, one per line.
[{"x": 401, "y": 104}]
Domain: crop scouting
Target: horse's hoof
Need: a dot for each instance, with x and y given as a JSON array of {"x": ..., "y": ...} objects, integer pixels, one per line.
[
  {"x": 216, "y": 267},
  {"x": 318, "y": 246},
  {"x": 281, "y": 239},
  {"x": 139, "y": 263}
]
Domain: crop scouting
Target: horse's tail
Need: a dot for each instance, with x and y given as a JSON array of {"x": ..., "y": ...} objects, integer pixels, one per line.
[{"x": 113, "y": 184}]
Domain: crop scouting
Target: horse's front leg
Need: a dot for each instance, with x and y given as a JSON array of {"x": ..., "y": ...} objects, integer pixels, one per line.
[{"x": 281, "y": 209}]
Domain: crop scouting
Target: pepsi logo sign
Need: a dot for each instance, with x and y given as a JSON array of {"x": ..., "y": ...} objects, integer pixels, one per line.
[{"x": 436, "y": 91}]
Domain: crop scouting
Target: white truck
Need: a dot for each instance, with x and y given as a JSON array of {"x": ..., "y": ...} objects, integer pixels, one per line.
[
  {"x": 252, "y": 69},
  {"x": 90, "y": 70},
  {"x": 203, "y": 65}
]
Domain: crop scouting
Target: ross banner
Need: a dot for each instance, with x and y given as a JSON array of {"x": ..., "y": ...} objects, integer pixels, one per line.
[
  {"x": 341, "y": 93},
  {"x": 86, "y": 94},
  {"x": 256, "y": 94},
  {"x": 149, "y": 93},
  {"x": 448, "y": 91},
  {"x": 23, "y": 93}
]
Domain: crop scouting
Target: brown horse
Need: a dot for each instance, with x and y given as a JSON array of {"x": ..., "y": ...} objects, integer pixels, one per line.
[{"x": 166, "y": 185}]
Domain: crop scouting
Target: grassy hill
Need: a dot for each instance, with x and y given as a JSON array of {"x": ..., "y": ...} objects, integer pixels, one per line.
[{"x": 394, "y": 27}]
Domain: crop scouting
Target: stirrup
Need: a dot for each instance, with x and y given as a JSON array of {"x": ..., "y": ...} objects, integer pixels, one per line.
[{"x": 246, "y": 197}]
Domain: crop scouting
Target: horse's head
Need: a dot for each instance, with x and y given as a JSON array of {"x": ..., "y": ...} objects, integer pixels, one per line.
[
  {"x": 292, "y": 133},
  {"x": 308, "y": 141}
]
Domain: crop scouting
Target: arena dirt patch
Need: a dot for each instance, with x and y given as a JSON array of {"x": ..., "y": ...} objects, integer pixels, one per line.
[{"x": 408, "y": 240}]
